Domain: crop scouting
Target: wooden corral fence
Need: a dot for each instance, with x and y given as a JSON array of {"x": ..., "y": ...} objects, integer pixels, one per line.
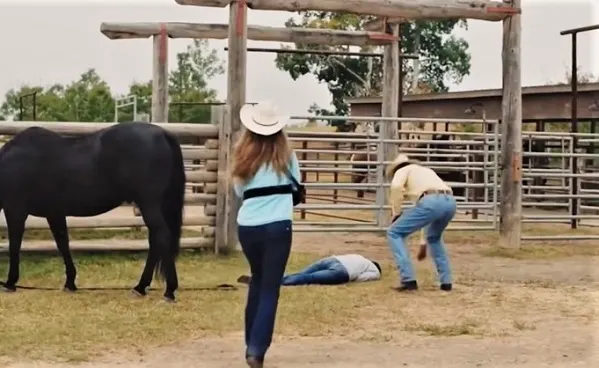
[{"x": 200, "y": 207}]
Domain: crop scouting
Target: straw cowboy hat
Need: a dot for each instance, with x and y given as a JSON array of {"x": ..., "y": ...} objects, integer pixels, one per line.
[
  {"x": 399, "y": 160},
  {"x": 262, "y": 118}
]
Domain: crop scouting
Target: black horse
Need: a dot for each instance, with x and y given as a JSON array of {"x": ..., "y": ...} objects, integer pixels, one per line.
[{"x": 45, "y": 174}]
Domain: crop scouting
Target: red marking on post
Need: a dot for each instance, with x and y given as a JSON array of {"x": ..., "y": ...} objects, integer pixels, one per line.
[
  {"x": 382, "y": 36},
  {"x": 504, "y": 10},
  {"x": 241, "y": 4},
  {"x": 163, "y": 44}
]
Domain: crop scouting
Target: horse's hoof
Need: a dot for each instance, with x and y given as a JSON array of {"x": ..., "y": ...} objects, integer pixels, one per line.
[
  {"x": 69, "y": 288},
  {"x": 137, "y": 293},
  {"x": 8, "y": 289},
  {"x": 169, "y": 299}
]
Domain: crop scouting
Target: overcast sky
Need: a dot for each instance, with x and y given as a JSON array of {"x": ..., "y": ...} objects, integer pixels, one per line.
[{"x": 49, "y": 41}]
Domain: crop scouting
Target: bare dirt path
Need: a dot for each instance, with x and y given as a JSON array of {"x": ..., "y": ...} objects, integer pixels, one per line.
[{"x": 557, "y": 344}]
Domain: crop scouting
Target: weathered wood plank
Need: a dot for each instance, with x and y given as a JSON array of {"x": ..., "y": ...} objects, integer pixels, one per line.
[
  {"x": 109, "y": 246},
  {"x": 511, "y": 134},
  {"x": 200, "y": 154},
  {"x": 160, "y": 76},
  {"x": 192, "y": 198},
  {"x": 200, "y": 176},
  {"x": 98, "y": 222},
  {"x": 210, "y": 210},
  {"x": 413, "y": 9},
  {"x": 131, "y": 30},
  {"x": 79, "y": 128}
]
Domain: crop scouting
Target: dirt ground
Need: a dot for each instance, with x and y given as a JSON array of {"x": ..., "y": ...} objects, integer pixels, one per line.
[{"x": 558, "y": 327}]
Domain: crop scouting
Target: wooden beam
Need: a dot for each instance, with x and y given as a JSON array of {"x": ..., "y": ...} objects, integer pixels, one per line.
[
  {"x": 80, "y": 128},
  {"x": 107, "y": 222},
  {"x": 411, "y": 9},
  {"x": 160, "y": 77},
  {"x": 116, "y": 31},
  {"x": 511, "y": 134}
]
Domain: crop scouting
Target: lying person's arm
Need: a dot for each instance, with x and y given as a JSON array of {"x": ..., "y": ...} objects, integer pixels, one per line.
[{"x": 370, "y": 275}]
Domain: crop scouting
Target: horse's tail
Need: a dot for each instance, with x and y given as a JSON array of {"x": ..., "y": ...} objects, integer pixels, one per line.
[{"x": 173, "y": 202}]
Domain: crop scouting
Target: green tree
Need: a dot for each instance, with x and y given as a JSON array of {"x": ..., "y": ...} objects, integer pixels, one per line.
[
  {"x": 444, "y": 58},
  {"x": 188, "y": 84},
  {"x": 86, "y": 99}
]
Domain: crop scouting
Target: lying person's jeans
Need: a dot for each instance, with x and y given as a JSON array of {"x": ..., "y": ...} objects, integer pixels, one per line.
[{"x": 326, "y": 271}]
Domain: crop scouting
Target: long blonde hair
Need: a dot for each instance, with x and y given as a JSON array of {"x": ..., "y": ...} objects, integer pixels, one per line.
[{"x": 254, "y": 150}]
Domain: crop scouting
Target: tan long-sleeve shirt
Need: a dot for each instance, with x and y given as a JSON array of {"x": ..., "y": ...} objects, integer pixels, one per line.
[{"x": 410, "y": 182}]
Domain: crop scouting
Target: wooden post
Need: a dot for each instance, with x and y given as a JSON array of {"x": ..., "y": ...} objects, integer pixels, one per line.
[
  {"x": 336, "y": 173},
  {"x": 236, "y": 88},
  {"x": 511, "y": 134},
  {"x": 160, "y": 77},
  {"x": 304, "y": 156},
  {"x": 390, "y": 104},
  {"x": 220, "y": 118}
]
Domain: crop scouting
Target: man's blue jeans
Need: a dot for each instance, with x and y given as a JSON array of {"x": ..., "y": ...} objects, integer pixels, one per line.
[
  {"x": 266, "y": 248},
  {"x": 326, "y": 271},
  {"x": 434, "y": 211}
]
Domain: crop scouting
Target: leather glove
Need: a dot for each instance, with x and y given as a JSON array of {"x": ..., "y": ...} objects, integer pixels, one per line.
[{"x": 421, "y": 252}]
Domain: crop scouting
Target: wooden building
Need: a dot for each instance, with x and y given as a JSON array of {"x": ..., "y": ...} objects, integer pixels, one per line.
[{"x": 541, "y": 104}]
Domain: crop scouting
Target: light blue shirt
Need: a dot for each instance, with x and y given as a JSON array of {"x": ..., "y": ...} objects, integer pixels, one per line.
[{"x": 264, "y": 210}]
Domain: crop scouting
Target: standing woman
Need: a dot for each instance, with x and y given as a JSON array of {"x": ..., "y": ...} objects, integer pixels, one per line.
[
  {"x": 265, "y": 175},
  {"x": 434, "y": 207}
]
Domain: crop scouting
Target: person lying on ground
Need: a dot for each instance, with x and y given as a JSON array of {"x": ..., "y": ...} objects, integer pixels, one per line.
[
  {"x": 434, "y": 208},
  {"x": 332, "y": 270}
]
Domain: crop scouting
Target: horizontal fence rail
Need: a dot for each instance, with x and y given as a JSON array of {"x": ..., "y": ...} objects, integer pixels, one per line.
[{"x": 201, "y": 166}]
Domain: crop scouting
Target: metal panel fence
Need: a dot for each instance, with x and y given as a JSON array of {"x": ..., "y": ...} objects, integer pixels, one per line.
[{"x": 338, "y": 166}]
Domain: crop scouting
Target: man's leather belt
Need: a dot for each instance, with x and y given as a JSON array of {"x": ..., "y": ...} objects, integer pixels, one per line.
[{"x": 435, "y": 191}]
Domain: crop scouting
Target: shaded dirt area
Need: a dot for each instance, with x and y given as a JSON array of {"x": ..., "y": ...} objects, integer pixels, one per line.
[{"x": 504, "y": 312}]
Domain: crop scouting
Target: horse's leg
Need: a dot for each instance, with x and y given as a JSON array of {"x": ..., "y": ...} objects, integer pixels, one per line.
[
  {"x": 60, "y": 232},
  {"x": 151, "y": 260},
  {"x": 16, "y": 227},
  {"x": 159, "y": 251}
]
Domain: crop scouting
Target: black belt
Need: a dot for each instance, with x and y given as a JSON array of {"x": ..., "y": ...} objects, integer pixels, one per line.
[
  {"x": 266, "y": 191},
  {"x": 435, "y": 191}
]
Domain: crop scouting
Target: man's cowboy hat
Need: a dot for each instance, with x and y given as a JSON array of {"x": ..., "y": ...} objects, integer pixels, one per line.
[
  {"x": 400, "y": 159},
  {"x": 262, "y": 118}
]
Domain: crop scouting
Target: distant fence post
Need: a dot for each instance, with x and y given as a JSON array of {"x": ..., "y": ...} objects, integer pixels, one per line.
[{"x": 160, "y": 77}]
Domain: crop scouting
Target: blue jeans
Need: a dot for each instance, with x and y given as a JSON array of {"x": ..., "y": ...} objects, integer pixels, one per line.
[
  {"x": 434, "y": 211},
  {"x": 326, "y": 271},
  {"x": 266, "y": 248}
]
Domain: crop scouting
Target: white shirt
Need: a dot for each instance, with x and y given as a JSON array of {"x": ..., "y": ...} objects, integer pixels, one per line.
[{"x": 359, "y": 268}]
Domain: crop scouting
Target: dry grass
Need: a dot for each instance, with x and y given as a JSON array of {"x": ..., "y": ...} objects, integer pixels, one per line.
[
  {"x": 74, "y": 327},
  {"x": 92, "y": 234}
]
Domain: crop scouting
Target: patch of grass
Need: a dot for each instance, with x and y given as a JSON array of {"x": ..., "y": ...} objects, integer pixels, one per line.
[
  {"x": 93, "y": 234},
  {"x": 541, "y": 252},
  {"x": 457, "y": 329}
]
